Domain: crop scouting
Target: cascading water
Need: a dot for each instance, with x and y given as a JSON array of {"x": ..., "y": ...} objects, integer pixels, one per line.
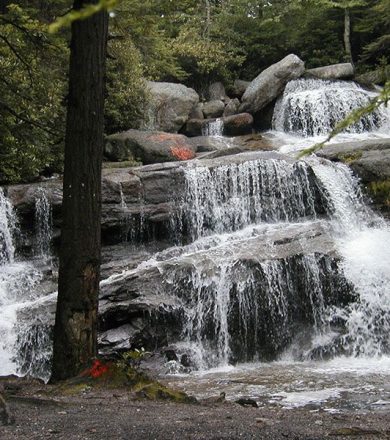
[
  {"x": 17, "y": 283},
  {"x": 283, "y": 258},
  {"x": 43, "y": 225},
  {"x": 213, "y": 128},
  {"x": 361, "y": 237},
  {"x": 8, "y": 228},
  {"x": 313, "y": 107},
  {"x": 230, "y": 197}
]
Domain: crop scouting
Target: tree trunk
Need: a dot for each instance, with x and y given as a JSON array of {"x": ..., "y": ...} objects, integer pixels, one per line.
[
  {"x": 208, "y": 19},
  {"x": 75, "y": 330},
  {"x": 347, "y": 35}
]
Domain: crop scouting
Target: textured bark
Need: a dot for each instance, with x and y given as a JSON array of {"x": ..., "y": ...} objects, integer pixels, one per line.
[
  {"x": 347, "y": 35},
  {"x": 75, "y": 333}
]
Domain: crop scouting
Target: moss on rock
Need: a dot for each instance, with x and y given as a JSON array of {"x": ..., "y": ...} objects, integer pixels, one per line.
[{"x": 380, "y": 192}]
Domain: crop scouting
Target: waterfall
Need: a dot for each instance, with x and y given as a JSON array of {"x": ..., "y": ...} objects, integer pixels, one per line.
[
  {"x": 362, "y": 239},
  {"x": 18, "y": 281},
  {"x": 245, "y": 311},
  {"x": 8, "y": 229},
  {"x": 233, "y": 196},
  {"x": 311, "y": 107},
  {"x": 213, "y": 128},
  {"x": 43, "y": 225}
]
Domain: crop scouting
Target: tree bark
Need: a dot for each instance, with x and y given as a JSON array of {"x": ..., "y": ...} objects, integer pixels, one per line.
[
  {"x": 75, "y": 330},
  {"x": 347, "y": 35}
]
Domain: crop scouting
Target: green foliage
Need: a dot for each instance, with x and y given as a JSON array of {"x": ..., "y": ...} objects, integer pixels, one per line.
[
  {"x": 81, "y": 14},
  {"x": 31, "y": 90},
  {"x": 191, "y": 41},
  {"x": 126, "y": 92}
]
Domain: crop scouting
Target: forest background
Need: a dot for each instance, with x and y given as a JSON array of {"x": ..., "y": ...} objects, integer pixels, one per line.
[{"x": 189, "y": 41}]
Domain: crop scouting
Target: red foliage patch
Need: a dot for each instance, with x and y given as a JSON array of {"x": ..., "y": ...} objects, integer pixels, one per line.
[
  {"x": 182, "y": 153},
  {"x": 97, "y": 369}
]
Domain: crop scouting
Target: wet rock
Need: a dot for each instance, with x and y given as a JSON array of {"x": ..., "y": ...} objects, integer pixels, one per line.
[
  {"x": 213, "y": 109},
  {"x": 170, "y": 355},
  {"x": 170, "y": 105},
  {"x": 333, "y": 71},
  {"x": 208, "y": 143},
  {"x": 194, "y": 127},
  {"x": 270, "y": 83},
  {"x": 247, "y": 402},
  {"x": 237, "y": 125},
  {"x": 253, "y": 141}
]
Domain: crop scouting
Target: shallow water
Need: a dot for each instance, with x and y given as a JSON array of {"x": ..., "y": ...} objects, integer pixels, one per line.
[{"x": 342, "y": 384}]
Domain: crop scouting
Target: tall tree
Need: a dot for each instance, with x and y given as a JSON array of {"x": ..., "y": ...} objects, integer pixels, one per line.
[{"x": 75, "y": 331}]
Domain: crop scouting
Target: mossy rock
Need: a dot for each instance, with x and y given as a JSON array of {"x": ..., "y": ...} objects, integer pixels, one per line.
[
  {"x": 349, "y": 158},
  {"x": 380, "y": 192}
]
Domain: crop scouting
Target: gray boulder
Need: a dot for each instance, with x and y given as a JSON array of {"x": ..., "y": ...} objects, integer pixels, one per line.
[
  {"x": 333, "y": 71},
  {"x": 213, "y": 109},
  {"x": 216, "y": 91},
  {"x": 270, "y": 83},
  {"x": 148, "y": 146},
  {"x": 232, "y": 107},
  {"x": 170, "y": 105},
  {"x": 378, "y": 76}
]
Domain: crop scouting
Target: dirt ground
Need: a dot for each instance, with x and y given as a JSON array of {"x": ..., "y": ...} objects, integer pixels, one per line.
[{"x": 89, "y": 414}]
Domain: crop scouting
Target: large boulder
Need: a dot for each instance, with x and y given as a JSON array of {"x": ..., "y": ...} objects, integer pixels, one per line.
[
  {"x": 197, "y": 112},
  {"x": 148, "y": 146},
  {"x": 378, "y": 76},
  {"x": 213, "y": 109},
  {"x": 170, "y": 105},
  {"x": 270, "y": 83},
  {"x": 237, "y": 125},
  {"x": 333, "y": 71},
  {"x": 216, "y": 91}
]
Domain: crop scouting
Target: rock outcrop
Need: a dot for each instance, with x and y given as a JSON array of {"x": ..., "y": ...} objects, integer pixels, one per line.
[
  {"x": 232, "y": 107},
  {"x": 333, "y": 71},
  {"x": 270, "y": 83},
  {"x": 213, "y": 109},
  {"x": 239, "y": 88},
  {"x": 216, "y": 91},
  {"x": 370, "y": 160},
  {"x": 170, "y": 105},
  {"x": 148, "y": 147}
]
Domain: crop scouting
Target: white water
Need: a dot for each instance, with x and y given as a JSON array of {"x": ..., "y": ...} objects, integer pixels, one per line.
[
  {"x": 213, "y": 128},
  {"x": 43, "y": 225},
  {"x": 313, "y": 107},
  {"x": 18, "y": 279},
  {"x": 228, "y": 205}
]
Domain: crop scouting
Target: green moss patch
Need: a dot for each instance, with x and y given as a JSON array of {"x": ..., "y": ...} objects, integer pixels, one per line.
[
  {"x": 349, "y": 158},
  {"x": 380, "y": 191}
]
